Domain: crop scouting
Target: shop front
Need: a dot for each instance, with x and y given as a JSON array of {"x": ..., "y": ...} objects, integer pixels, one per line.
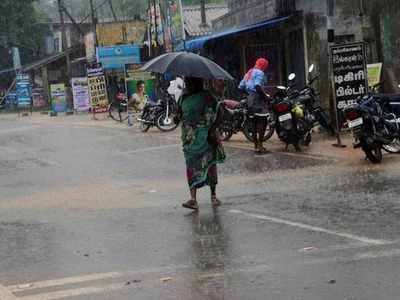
[{"x": 280, "y": 40}]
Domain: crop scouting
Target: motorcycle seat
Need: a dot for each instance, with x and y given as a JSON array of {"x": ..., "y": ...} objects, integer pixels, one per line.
[{"x": 231, "y": 104}]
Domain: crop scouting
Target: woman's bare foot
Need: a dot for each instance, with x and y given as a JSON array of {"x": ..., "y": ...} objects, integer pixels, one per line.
[
  {"x": 191, "y": 204},
  {"x": 215, "y": 201}
]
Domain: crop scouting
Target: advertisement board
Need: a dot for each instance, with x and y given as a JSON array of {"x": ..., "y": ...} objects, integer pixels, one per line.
[
  {"x": 176, "y": 21},
  {"x": 133, "y": 74},
  {"x": 38, "y": 98},
  {"x": 23, "y": 91},
  {"x": 350, "y": 76},
  {"x": 374, "y": 74},
  {"x": 116, "y": 33},
  {"x": 115, "y": 57},
  {"x": 58, "y": 97},
  {"x": 80, "y": 92},
  {"x": 97, "y": 87}
]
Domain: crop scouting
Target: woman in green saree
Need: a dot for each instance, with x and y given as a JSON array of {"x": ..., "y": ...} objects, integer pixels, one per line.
[{"x": 199, "y": 114}]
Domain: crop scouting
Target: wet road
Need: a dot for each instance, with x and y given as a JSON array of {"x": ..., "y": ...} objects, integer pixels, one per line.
[{"x": 91, "y": 210}]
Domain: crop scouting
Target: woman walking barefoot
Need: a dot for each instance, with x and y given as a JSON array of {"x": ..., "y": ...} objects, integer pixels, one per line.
[{"x": 199, "y": 115}]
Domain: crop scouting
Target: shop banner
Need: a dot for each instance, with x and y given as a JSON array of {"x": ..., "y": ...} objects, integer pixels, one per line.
[
  {"x": 58, "y": 97},
  {"x": 80, "y": 92},
  {"x": 97, "y": 87},
  {"x": 38, "y": 98},
  {"x": 23, "y": 90},
  {"x": 115, "y": 57},
  {"x": 350, "y": 77},
  {"x": 374, "y": 74},
  {"x": 156, "y": 23},
  {"x": 133, "y": 74},
  {"x": 176, "y": 21}
]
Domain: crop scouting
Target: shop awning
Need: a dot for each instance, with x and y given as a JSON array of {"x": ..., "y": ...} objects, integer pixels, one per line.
[{"x": 199, "y": 43}]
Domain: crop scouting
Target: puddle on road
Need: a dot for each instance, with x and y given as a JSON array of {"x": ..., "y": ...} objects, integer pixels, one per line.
[{"x": 241, "y": 161}]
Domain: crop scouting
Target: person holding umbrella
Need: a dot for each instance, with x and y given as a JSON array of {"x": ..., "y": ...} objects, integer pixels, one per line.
[
  {"x": 199, "y": 113},
  {"x": 252, "y": 83}
]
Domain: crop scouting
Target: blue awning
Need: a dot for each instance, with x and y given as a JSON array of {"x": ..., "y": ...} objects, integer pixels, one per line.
[{"x": 199, "y": 43}]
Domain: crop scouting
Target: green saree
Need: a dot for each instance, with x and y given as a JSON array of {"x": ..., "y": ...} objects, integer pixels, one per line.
[{"x": 199, "y": 112}]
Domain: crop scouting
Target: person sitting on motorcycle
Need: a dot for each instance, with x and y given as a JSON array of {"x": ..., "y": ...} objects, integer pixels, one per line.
[
  {"x": 137, "y": 101},
  {"x": 252, "y": 84}
]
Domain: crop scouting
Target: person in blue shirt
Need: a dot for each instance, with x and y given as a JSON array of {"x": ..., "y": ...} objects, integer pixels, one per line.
[{"x": 252, "y": 84}]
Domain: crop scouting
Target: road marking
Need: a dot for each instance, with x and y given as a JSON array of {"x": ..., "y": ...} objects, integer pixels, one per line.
[
  {"x": 208, "y": 275},
  {"x": 151, "y": 149},
  {"x": 75, "y": 292},
  {"x": 359, "y": 256},
  {"x": 63, "y": 281},
  {"x": 313, "y": 228},
  {"x": 90, "y": 277}
]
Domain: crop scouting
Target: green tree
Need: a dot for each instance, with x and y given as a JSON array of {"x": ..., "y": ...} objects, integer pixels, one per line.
[{"x": 20, "y": 27}]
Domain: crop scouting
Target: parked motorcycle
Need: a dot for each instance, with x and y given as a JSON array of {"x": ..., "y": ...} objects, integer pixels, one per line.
[
  {"x": 375, "y": 125},
  {"x": 298, "y": 112},
  {"x": 237, "y": 119},
  {"x": 160, "y": 114}
]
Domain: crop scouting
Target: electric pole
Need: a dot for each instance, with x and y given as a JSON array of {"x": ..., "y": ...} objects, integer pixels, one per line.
[
  {"x": 156, "y": 27},
  {"x": 64, "y": 45},
  {"x": 94, "y": 22}
]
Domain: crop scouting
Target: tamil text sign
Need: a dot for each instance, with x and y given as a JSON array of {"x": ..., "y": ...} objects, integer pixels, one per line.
[
  {"x": 80, "y": 92},
  {"x": 349, "y": 69},
  {"x": 23, "y": 90},
  {"x": 97, "y": 87}
]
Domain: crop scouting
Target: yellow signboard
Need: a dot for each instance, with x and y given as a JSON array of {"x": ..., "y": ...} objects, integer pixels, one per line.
[
  {"x": 130, "y": 32},
  {"x": 97, "y": 87},
  {"x": 374, "y": 74}
]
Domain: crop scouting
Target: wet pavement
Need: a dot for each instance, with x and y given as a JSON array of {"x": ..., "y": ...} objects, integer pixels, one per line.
[{"x": 91, "y": 210}]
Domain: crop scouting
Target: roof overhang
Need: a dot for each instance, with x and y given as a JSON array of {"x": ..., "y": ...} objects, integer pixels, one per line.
[{"x": 199, "y": 43}]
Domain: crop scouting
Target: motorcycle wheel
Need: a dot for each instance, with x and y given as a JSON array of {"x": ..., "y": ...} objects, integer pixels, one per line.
[
  {"x": 163, "y": 125},
  {"x": 225, "y": 133},
  {"x": 248, "y": 130},
  {"x": 394, "y": 147},
  {"x": 270, "y": 129},
  {"x": 374, "y": 154},
  {"x": 144, "y": 127},
  {"x": 307, "y": 139}
]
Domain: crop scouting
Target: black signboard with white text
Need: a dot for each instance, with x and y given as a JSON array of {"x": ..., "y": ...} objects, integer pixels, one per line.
[{"x": 350, "y": 76}]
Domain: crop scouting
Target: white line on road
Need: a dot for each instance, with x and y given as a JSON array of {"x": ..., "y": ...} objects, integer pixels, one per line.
[
  {"x": 312, "y": 228},
  {"x": 90, "y": 277},
  {"x": 5, "y": 294},
  {"x": 75, "y": 292},
  {"x": 391, "y": 253},
  {"x": 63, "y": 281}
]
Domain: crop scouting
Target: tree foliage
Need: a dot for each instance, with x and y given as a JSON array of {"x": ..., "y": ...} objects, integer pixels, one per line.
[{"x": 20, "y": 27}]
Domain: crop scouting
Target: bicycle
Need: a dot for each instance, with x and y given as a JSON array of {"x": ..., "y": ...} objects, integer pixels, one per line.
[{"x": 118, "y": 109}]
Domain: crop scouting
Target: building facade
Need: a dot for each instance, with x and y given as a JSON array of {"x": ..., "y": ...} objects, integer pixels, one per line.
[{"x": 304, "y": 39}]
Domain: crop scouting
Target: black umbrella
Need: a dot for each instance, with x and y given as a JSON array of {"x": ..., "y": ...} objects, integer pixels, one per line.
[{"x": 186, "y": 64}]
